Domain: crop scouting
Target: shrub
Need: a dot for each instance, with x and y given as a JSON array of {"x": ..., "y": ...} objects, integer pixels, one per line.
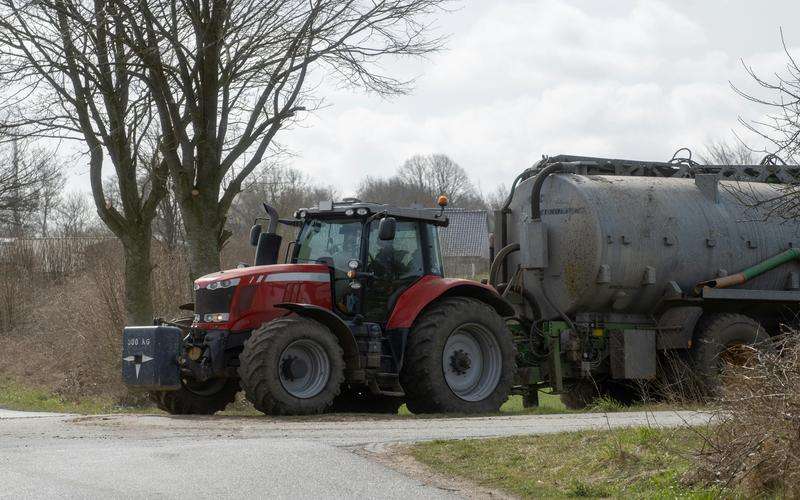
[
  {"x": 67, "y": 332},
  {"x": 756, "y": 444}
]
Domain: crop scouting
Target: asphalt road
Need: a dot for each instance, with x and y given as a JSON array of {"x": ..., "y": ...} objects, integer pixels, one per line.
[{"x": 140, "y": 456}]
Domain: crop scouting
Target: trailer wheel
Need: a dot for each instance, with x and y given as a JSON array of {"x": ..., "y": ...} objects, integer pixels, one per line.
[
  {"x": 725, "y": 338},
  {"x": 197, "y": 398},
  {"x": 291, "y": 366},
  {"x": 460, "y": 359},
  {"x": 356, "y": 401}
]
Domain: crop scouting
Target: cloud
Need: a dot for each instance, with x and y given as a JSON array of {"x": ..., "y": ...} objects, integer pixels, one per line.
[{"x": 522, "y": 78}]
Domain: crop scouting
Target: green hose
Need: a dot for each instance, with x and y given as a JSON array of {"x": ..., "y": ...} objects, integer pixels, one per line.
[{"x": 751, "y": 272}]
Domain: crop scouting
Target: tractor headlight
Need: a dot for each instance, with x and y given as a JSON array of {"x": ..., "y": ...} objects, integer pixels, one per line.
[
  {"x": 223, "y": 284},
  {"x": 349, "y": 212},
  {"x": 216, "y": 318},
  {"x": 362, "y": 211}
]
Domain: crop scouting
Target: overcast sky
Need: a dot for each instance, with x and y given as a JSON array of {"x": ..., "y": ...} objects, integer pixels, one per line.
[{"x": 523, "y": 78}]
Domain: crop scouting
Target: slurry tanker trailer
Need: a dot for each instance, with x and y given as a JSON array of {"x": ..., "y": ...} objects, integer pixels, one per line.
[
  {"x": 606, "y": 273},
  {"x": 623, "y": 273}
]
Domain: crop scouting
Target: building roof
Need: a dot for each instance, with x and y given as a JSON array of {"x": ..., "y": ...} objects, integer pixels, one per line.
[{"x": 467, "y": 235}]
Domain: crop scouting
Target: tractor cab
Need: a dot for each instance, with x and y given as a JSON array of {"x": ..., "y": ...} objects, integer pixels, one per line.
[{"x": 374, "y": 252}]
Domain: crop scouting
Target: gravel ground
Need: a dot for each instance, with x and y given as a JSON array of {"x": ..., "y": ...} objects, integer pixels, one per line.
[{"x": 136, "y": 456}]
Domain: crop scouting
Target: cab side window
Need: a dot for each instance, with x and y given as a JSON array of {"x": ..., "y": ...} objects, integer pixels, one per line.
[{"x": 395, "y": 264}]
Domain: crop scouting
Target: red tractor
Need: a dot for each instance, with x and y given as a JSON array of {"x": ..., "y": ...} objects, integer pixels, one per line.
[{"x": 359, "y": 318}]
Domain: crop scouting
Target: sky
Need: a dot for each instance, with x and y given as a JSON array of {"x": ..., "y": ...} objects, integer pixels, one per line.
[{"x": 524, "y": 78}]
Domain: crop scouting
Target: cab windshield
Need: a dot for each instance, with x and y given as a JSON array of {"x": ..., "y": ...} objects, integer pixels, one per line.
[{"x": 332, "y": 242}]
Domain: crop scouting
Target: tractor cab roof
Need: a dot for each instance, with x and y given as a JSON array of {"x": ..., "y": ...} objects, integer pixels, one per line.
[{"x": 351, "y": 207}]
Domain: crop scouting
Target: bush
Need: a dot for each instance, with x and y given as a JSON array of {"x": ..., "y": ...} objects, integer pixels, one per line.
[
  {"x": 68, "y": 337},
  {"x": 756, "y": 444}
]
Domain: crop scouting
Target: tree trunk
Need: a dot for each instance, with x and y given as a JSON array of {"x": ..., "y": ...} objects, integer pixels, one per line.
[
  {"x": 138, "y": 278},
  {"x": 203, "y": 229}
]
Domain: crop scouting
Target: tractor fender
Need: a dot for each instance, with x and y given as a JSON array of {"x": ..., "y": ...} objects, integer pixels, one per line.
[
  {"x": 335, "y": 324},
  {"x": 430, "y": 289}
]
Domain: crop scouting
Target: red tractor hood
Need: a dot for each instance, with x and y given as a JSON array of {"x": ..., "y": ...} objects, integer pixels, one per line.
[{"x": 272, "y": 273}]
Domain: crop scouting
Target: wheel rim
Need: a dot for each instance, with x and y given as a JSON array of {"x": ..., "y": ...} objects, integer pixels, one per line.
[
  {"x": 472, "y": 362},
  {"x": 304, "y": 368}
]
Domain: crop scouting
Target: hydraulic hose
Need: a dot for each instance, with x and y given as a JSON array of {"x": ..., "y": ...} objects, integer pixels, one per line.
[
  {"x": 751, "y": 272},
  {"x": 506, "y": 210},
  {"x": 536, "y": 190},
  {"x": 499, "y": 260}
]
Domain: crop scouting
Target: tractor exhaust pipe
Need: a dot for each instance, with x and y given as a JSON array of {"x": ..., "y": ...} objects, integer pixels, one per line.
[{"x": 268, "y": 244}]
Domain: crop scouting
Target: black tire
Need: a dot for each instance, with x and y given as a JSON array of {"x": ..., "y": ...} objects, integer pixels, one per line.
[
  {"x": 423, "y": 375},
  {"x": 716, "y": 337},
  {"x": 261, "y": 371},
  {"x": 361, "y": 401},
  {"x": 204, "y": 398}
]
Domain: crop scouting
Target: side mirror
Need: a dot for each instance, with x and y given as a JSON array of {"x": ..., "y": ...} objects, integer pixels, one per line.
[
  {"x": 387, "y": 228},
  {"x": 255, "y": 232}
]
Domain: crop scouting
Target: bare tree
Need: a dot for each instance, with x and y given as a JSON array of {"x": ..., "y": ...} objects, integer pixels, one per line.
[
  {"x": 780, "y": 128},
  {"x": 437, "y": 174},
  {"x": 26, "y": 173},
  {"x": 225, "y": 76},
  {"x": 50, "y": 195},
  {"x": 75, "y": 216},
  {"x": 167, "y": 226},
  {"x": 724, "y": 153},
  {"x": 394, "y": 191},
  {"x": 497, "y": 198},
  {"x": 67, "y": 74},
  {"x": 780, "y": 96}
]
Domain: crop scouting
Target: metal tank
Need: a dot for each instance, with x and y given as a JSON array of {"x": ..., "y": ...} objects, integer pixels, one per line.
[{"x": 619, "y": 244}]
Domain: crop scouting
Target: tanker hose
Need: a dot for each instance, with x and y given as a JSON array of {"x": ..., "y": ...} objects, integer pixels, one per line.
[
  {"x": 499, "y": 260},
  {"x": 536, "y": 190},
  {"x": 521, "y": 177},
  {"x": 751, "y": 272}
]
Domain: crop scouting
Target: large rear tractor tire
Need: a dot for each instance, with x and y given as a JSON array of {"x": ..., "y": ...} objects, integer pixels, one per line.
[
  {"x": 460, "y": 359},
  {"x": 722, "y": 339},
  {"x": 292, "y": 366},
  {"x": 361, "y": 401},
  {"x": 197, "y": 398}
]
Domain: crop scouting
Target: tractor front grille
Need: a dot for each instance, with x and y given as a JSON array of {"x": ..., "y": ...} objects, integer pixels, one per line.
[{"x": 213, "y": 301}]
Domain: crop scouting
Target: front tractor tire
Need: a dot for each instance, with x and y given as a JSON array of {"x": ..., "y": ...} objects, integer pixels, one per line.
[
  {"x": 292, "y": 366},
  {"x": 460, "y": 359},
  {"x": 196, "y": 398}
]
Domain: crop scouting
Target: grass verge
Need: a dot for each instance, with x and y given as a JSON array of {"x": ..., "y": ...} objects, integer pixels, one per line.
[
  {"x": 626, "y": 463},
  {"x": 17, "y": 396}
]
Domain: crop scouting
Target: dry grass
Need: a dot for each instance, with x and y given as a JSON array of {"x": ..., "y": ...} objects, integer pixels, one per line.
[
  {"x": 66, "y": 334},
  {"x": 756, "y": 446}
]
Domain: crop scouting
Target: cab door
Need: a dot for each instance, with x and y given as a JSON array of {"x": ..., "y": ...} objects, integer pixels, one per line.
[{"x": 394, "y": 265}]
